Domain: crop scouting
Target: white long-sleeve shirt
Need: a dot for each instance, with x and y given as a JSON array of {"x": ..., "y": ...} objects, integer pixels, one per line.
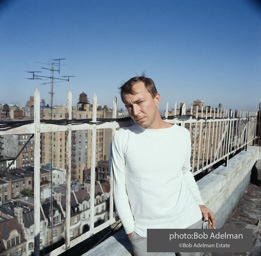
[{"x": 153, "y": 185}]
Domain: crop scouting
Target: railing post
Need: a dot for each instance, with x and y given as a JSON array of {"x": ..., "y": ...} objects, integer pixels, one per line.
[
  {"x": 205, "y": 137},
  {"x": 93, "y": 163},
  {"x": 111, "y": 171},
  {"x": 195, "y": 140},
  {"x": 183, "y": 109},
  {"x": 68, "y": 172},
  {"x": 209, "y": 145},
  {"x": 248, "y": 128},
  {"x": 226, "y": 161},
  {"x": 37, "y": 203},
  {"x": 114, "y": 104},
  {"x": 175, "y": 109},
  {"x": 229, "y": 134},
  {"x": 212, "y": 136},
  {"x": 200, "y": 141},
  {"x": 167, "y": 110},
  {"x": 206, "y": 113},
  {"x": 94, "y": 108}
]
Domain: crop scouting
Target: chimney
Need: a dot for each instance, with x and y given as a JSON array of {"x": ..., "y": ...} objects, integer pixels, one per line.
[
  {"x": 18, "y": 213},
  {"x": 58, "y": 197}
]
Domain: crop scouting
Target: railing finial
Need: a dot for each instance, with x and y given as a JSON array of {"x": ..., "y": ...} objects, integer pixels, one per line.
[
  {"x": 167, "y": 110},
  {"x": 94, "y": 108}
]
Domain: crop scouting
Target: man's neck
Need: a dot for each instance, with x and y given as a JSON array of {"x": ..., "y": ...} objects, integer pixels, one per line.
[
  {"x": 164, "y": 125},
  {"x": 160, "y": 124}
]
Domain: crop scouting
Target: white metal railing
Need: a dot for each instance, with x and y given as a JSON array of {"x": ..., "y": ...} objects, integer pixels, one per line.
[{"x": 215, "y": 135}]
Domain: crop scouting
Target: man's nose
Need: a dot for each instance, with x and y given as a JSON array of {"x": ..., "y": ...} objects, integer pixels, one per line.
[{"x": 135, "y": 110}]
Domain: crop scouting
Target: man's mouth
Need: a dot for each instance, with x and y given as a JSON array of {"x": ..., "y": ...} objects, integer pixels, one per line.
[{"x": 140, "y": 119}]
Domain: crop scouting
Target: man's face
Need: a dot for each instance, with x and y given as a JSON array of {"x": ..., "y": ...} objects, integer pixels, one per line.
[{"x": 142, "y": 108}]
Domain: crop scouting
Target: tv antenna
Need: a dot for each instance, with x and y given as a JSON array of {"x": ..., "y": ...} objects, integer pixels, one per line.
[
  {"x": 55, "y": 67},
  {"x": 52, "y": 77}
]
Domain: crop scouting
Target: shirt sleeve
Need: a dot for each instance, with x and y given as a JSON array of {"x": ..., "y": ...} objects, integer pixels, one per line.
[
  {"x": 120, "y": 192},
  {"x": 189, "y": 178}
]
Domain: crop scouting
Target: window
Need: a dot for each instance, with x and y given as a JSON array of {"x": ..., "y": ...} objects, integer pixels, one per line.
[
  {"x": 31, "y": 246},
  {"x": 8, "y": 244},
  {"x": 56, "y": 219},
  {"x": 17, "y": 240},
  {"x": 19, "y": 252},
  {"x": 42, "y": 226},
  {"x": 55, "y": 232},
  {"x": 13, "y": 241}
]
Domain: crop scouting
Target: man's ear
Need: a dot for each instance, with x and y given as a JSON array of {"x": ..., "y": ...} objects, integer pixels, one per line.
[{"x": 157, "y": 99}]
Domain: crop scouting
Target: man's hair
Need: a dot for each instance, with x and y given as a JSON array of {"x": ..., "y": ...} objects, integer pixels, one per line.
[{"x": 126, "y": 88}]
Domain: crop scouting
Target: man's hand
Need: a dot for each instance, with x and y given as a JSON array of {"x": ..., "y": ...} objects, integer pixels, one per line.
[
  {"x": 208, "y": 216},
  {"x": 129, "y": 235}
]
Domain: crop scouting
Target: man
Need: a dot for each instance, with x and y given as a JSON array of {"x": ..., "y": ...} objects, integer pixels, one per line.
[{"x": 153, "y": 185}]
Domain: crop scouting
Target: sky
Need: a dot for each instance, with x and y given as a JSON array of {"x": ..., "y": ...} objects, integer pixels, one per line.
[{"x": 192, "y": 49}]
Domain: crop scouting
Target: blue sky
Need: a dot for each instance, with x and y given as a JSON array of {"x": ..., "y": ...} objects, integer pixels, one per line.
[{"x": 192, "y": 49}]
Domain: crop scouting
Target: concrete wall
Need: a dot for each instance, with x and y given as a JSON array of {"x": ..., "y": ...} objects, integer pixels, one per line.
[{"x": 220, "y": 190}]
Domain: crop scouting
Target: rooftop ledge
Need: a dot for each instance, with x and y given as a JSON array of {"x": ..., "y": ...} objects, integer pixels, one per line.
[{"x": 221, "y": 191}]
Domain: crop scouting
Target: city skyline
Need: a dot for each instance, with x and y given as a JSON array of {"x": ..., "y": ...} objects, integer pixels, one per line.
[{"x": 207, "y": 50}]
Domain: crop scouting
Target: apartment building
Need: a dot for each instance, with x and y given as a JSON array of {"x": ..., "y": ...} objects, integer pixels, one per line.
[
  {"x": 5, "y": 194},
  {"x": 12, "y": 238},
  {"x": 54, "y": 144},
  {"x": 12, "y": 145},
  {"x": 15, "y": 181},
  {"x": 17, "y": 222}
]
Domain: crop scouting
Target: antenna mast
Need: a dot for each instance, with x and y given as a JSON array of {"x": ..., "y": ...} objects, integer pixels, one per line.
[{"x": 56, "y": 62}]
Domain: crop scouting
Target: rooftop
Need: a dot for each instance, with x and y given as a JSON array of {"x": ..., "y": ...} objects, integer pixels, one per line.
[{"x": 246, "y": 215}]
